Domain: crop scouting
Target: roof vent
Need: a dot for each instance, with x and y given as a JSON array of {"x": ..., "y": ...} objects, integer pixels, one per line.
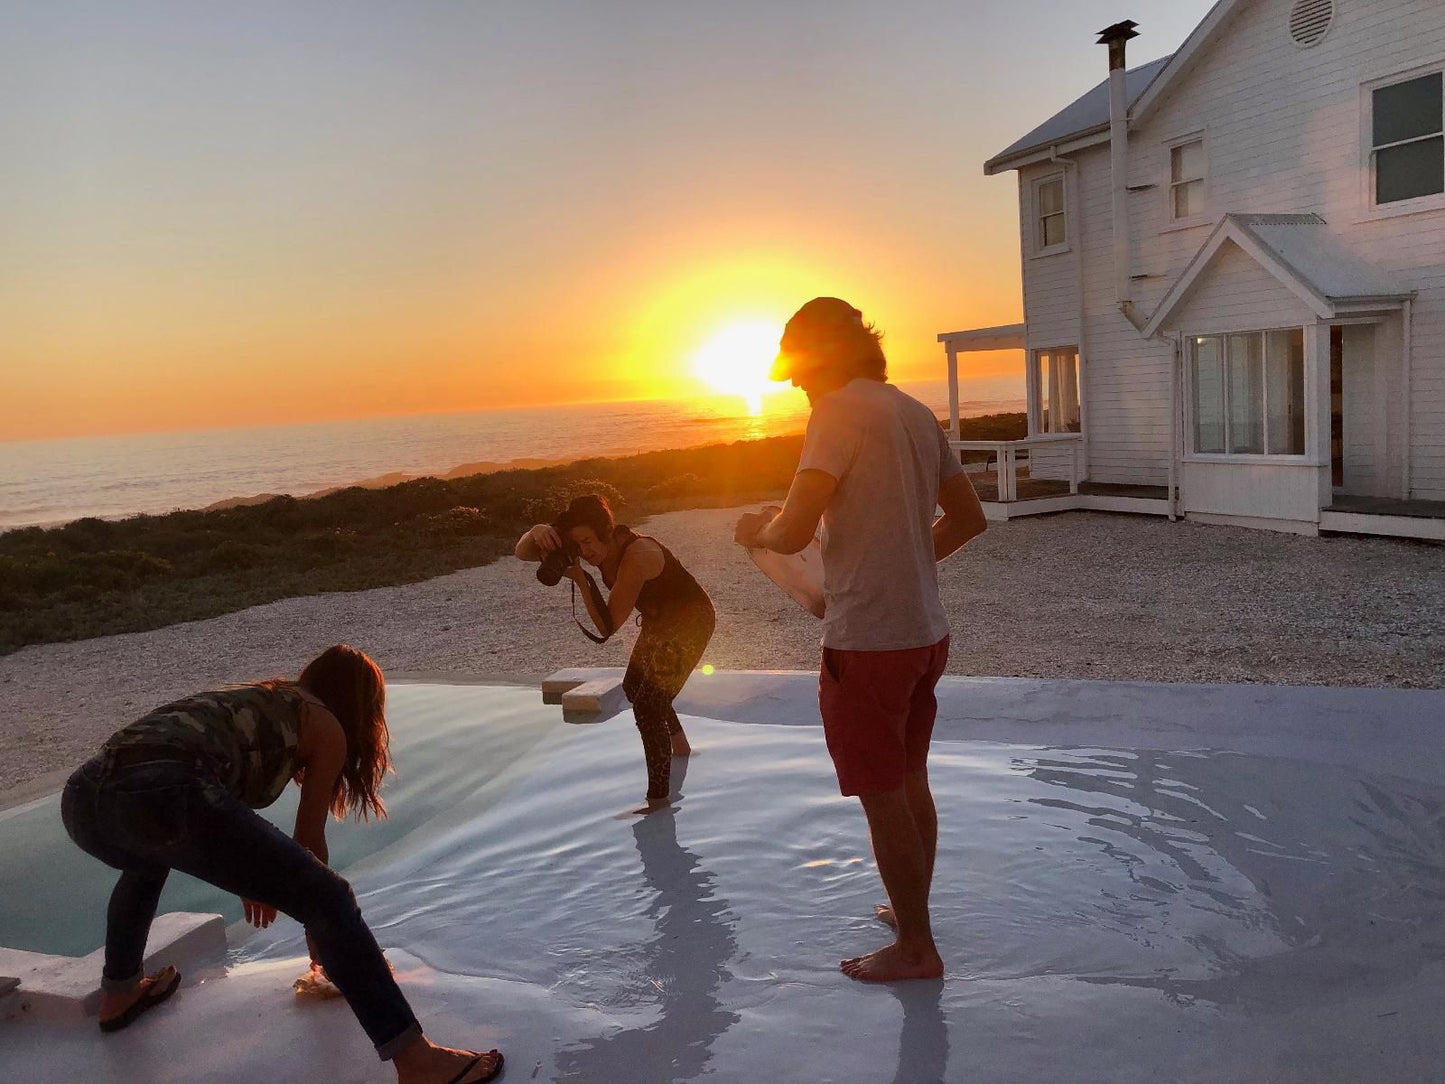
[{"x": 1310, "y": 21}]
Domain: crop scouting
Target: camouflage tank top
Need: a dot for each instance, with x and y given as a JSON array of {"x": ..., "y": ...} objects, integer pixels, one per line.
[{"x": 246, "y": 734}]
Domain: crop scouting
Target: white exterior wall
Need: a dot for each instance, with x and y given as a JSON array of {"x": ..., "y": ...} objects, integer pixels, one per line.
[
  {"x": 1283, "y": 135},
  {"x": 1236, "y": 294}
]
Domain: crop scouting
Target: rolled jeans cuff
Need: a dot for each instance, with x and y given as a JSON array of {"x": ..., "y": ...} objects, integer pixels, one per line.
[
  {"x": 120, "y": 986},
  {"x": 392, "y": 1047}
]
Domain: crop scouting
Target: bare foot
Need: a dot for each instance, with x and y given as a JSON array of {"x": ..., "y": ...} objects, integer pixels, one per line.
[
  {"x": 894, "y": 963},
  {"x": 423, "y": 1062},
  {"x": 652, "y": 806},
  {"x": 113, "y": 1005},
  {"x": 884, "y": 914},
  {"x": 680, "y": 745}
]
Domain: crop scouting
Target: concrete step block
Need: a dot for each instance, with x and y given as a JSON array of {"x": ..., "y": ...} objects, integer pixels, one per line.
[
  {"x": 558, "y": 684},
  {"x": 67, "y": 988},
  {"x": 593, "y": 701}
]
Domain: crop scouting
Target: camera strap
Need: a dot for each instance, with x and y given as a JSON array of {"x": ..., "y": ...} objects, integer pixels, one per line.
[{"x": 601, "y": 605}]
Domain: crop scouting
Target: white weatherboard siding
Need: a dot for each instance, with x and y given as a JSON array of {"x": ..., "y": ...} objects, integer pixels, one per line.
[
  {"x": 1283, "y": 126},
  {"x": 1236, "y": 294},
  {"x": 1251, "y": 490},
  {"x": 1050, "y": 282},
  {"x": 1127, "y": 376}
]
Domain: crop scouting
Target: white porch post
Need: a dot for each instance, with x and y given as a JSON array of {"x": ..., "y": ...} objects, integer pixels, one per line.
[
  {"x": 1318, "y": 407},
  {"x": 953, "y": 428}
]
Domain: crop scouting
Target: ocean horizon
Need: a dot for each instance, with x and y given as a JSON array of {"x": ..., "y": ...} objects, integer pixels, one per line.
[{"x": 52, "y": 481}]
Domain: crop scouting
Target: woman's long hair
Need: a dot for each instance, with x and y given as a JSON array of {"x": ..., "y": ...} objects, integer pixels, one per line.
[{"x": 352, "y": 688}]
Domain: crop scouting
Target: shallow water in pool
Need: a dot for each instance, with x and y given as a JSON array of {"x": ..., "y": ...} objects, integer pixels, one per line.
[{"x": 1136, "y": 907}]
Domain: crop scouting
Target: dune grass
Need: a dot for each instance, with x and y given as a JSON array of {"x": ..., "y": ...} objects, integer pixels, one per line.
[{"x": 97, "y": 577}]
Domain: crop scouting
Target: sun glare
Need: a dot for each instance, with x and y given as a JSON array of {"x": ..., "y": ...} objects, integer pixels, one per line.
[{"x": 736, "y": 361}]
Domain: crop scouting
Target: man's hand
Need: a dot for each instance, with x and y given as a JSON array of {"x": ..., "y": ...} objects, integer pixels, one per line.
[
  {"x": 545, "y": 537},
  {"x": 259, "y": 915},
  {"x": 749, "y": 524},
  {"x": 576, "y": 573}
]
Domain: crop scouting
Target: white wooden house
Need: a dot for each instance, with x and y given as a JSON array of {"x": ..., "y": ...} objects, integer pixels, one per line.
[{"x": 1234, "y": 276}]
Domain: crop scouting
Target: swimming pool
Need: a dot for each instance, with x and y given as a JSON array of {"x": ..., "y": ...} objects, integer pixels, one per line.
[{"x": 1134, "y": 883}]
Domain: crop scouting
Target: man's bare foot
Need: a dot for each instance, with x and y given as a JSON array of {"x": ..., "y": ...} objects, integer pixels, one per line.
[
  {"x": 680, "y": 745},
  {"x": 652, "y": 806},
  {"x": 884, "y": 914},
  {"x": 423, "y": 1062},
  {"x": 113, "y": 1004},
  {"x": 894, "y": 963}
]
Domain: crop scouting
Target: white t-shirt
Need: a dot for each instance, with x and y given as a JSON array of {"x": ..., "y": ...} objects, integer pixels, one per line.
[{"x": 889, "y": 454}]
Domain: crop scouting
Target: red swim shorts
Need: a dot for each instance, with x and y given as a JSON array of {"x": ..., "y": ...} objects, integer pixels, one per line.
[{"x": 878, "y": 709}]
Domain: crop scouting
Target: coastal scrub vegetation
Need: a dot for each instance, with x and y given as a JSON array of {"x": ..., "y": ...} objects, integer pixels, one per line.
[{"x": 94, "y": 577}]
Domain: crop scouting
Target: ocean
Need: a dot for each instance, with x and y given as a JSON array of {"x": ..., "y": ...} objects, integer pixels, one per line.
[{"x": 44, "y": 482}]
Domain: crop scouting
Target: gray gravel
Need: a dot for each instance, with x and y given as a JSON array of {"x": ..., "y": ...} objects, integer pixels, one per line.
[{"x": 1078, "y": 595}]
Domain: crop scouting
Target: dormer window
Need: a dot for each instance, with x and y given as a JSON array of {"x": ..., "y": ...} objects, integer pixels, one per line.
[
  {"x": 1407, "y": 139},
  {"x": 1187, "y": 169},
  {"x": 1053, "y": 230}
]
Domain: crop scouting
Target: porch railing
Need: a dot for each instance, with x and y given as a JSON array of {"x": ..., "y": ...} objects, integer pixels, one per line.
[{"x": 1006, "y": 455}]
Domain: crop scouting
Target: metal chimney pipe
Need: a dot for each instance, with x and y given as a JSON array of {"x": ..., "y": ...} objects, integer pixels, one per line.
[{"x": 1117, "y": 37}]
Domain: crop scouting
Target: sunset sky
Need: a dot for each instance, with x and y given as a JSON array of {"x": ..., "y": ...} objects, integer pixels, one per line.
[{"x": 230, "y": 214}]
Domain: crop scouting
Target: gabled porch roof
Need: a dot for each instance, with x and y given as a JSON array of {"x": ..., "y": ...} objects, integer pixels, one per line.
[{"x": 1306, "y": 258}]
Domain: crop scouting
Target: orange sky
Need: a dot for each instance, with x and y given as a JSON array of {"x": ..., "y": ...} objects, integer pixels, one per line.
[{"x": 273, "y": 215}]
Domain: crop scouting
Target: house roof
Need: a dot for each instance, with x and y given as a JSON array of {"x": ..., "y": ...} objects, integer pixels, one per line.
[
  {"x": 1144, "y": 87},
  {"x": 1088, "y": 115},
  {"x": 1299, "y": 251}
]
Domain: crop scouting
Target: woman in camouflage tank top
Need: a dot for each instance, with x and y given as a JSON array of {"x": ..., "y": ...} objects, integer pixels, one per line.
[{"x": 178, "y": 788}]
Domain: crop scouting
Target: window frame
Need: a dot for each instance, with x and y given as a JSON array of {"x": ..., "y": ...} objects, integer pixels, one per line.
[
  {"x": 1170, "y": 146},
  {"x": 1036, "y": 218},
  {"x": 1368, "y": 178},
  {"x": 1191, "y": 400},
  {"x": 1039, "y": 393}
]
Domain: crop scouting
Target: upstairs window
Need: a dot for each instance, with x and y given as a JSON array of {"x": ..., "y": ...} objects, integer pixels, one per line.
[
  {"x": 1053, "y": 231},
  {"x": 1186, "y": 180},
  {"x": 1408, "y": 139}
]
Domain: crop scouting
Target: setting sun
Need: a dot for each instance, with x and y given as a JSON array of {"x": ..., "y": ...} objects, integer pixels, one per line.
[{"x": 735, "y": 361}]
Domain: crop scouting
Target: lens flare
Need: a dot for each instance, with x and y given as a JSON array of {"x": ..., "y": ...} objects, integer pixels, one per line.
[{"x": 736, "y": 360}]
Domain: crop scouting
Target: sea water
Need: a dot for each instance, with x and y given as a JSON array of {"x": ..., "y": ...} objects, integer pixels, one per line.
[{"x": 53, "y": 481}]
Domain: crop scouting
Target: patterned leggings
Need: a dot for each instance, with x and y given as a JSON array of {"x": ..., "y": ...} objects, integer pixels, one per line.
[{"x": 662, "y": 659}]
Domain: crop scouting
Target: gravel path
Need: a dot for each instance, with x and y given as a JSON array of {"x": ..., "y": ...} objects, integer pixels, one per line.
[{"x": 1079, "y": 595}]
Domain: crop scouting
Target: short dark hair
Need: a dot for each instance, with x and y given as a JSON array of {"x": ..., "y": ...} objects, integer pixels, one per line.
[{"x": 588, "y": 510}]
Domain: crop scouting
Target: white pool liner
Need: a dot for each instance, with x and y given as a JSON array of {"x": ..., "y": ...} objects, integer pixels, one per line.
[{"x": 1135, "y": 883}]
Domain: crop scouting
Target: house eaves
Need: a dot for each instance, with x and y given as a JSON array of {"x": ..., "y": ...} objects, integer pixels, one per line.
[
  {"x": 1302, "y": 254},
  {"x": 1082, "y": 123},
  {"x": 1183, "y": 60}
]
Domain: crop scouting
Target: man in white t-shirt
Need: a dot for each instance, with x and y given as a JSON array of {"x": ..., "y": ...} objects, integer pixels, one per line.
[{"x": 874, "y": 468}]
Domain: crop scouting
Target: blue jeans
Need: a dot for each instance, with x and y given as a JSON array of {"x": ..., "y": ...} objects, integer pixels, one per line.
[{"x": 146, "y": 819}]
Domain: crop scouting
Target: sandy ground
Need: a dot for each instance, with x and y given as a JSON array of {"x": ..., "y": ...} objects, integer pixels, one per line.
[{"x": 1078, "y": 595}]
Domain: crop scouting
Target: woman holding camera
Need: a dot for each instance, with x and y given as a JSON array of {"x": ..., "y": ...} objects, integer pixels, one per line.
[
  {"x": 178, "y": 789},
  {"x": 676, "y": 616}
]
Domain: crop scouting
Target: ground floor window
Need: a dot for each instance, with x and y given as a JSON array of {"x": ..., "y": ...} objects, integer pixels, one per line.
[
  {"x": 1249, "y": 393},
  {"x": 1057, "y": 392}
]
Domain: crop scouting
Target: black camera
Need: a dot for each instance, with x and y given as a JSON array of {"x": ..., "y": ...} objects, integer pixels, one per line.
[{"x": 556, "y": 562}]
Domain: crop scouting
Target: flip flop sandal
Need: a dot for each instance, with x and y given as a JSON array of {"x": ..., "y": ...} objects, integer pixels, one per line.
[
  {"x": 496, "y": 1070},
  {"x": 153, "y": 996}
]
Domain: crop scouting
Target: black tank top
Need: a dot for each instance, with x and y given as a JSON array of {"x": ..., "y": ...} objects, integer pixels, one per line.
[{"x": 672, "y": 595}]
